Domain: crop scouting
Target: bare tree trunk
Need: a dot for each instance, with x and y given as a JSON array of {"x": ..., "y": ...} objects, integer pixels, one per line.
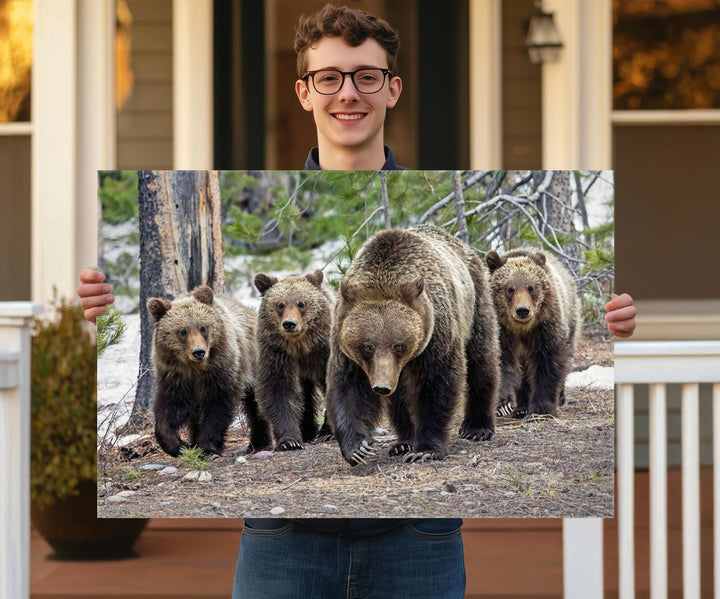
[
  {"x": 460, "y": 207},
  {"x": 581, "y": 200},
  {"x": 180, "y": 248},
  {"x": 385, "y": 201},
  {"x": 559, "y": 215}
]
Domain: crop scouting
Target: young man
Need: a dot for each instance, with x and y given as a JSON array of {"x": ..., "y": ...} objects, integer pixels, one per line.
[{"x": 348, "y": 80}]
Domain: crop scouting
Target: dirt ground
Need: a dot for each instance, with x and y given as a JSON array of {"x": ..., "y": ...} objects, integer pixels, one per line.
[{"x": 535, "y": 467}]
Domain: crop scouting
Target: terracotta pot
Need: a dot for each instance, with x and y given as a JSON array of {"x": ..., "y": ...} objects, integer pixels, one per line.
[{"x": 73, "y": 530}]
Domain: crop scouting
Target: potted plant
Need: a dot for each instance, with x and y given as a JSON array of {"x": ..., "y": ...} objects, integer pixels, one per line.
[{"x": 64, "y": 443}]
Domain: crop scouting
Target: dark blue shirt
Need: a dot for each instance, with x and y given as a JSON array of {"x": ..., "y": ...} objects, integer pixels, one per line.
[{"x": 312, "y": 163}]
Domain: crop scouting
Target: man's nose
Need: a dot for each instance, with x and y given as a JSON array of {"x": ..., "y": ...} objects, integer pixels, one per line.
[{"x": 347, "y": 90}]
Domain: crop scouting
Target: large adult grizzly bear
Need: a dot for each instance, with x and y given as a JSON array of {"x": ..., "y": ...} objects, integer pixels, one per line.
[
  {"x": 293, "y": 340},
  {"x": 539, "y": 315},
  {"x": 203, "y": 346},
  {"x": 415, "y": 329}
]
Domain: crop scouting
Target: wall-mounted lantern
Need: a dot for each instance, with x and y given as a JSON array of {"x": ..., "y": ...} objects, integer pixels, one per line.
[{"x": 543, "y": 40}]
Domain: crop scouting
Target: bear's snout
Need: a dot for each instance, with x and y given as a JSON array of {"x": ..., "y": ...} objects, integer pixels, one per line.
[
  {"x": 198, "y": 353},
  {"x": 290, "y": 325},
  {"x": 382, "y": 389},
  {"x": 522, "y": 312}
]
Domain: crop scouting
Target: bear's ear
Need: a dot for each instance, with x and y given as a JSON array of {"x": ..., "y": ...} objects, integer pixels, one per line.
[
  {"x": 203, "y": 294},
  {"x": 348, "y": 291},
  {"x": 316, "y": 278},
  {"x": 409, "y": 291},
  {"x": 494, "y": 261},
  {"x": 157, "y": 307},
  {"x": 263, "y": 282},
  {"x": 538, "y": 258}
]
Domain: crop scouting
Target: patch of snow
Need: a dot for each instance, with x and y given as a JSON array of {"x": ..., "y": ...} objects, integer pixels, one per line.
[{"x": 598, "y": 377}]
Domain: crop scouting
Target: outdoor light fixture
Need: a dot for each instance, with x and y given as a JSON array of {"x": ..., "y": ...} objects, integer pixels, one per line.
[{"x": 543, "y": 40}]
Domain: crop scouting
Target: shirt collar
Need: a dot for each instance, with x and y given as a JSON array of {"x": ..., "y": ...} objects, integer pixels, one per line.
[{"x": 313, "y": 161}]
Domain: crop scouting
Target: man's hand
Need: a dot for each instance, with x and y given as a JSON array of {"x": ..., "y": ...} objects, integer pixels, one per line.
[
  {"x": 94, "y": 294},
  {"x": 620, "y": 315}
]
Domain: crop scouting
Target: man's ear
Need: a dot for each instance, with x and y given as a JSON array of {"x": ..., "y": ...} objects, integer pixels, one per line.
[
  {"x": 303, "y": 95},
  {"x": 395, "y": 91}
]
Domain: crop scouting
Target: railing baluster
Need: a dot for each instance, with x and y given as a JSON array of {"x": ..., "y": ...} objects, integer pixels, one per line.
[
  {"x": 691, "y": 490},
  {"x": 716, "y": 486},
  {"x": 625, "y": 491},
  {"x": 658, "y": 493}
]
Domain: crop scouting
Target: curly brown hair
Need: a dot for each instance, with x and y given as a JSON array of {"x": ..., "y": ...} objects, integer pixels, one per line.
[{"x": 354, "y": 25}]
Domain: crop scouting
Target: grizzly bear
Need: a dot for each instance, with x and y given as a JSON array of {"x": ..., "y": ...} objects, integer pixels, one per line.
[
  {"x": 202, "y": 353},
  {"x": 293, "y": 340},
  {"x": 414, "y": 329},
  {"x": 538, "y": 311}
]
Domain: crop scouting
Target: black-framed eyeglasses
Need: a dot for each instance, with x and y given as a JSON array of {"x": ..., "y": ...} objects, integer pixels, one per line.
[{"x": 330, "y": 81}]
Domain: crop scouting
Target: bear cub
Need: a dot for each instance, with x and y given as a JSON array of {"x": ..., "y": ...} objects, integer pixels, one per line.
[
  {"x": 539, "y": 315},
  {"x": 202, "y": 357},
  {"x": 293, "y": 338},
  {"x": 415, "y": 330}
]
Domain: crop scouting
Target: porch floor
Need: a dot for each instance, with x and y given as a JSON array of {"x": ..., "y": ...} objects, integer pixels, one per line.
[{"x": 507, "y": 559}]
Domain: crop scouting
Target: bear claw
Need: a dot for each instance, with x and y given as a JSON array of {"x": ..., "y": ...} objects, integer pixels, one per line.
[
  {"x": 289, "y": 445},
  {"x": 358, "y": 456},
  {"x": 400, "y": 449},
  {"x": 519, "y": 413},
  {"x": 505, "y": 410},
  {"x": 476, "y": 434},
  {"x": 423, "y": 456}
]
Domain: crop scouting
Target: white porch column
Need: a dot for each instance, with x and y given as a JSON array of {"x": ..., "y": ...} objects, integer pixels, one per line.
[
  {"x": 15, "y": 321},
  {"x": 577, "y": 90},
  {"x": 192, "y": 84},
  {"x": 95, "y": 120},
  {"x": 485, "y": 84},
  {"x": 582, "y": 570},
  {"x": 54, "y": 144}
]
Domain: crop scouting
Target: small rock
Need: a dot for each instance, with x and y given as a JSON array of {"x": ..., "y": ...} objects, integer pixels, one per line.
[
  {"x": 126, "y": 493},
  {"x": 394, "y": 477},
  {"x": 216, "y": 506},
  {"x": 276, "y": 511},
  {"x": 106, "y": 488},
  {"x": 450, "y": 488},
  {"x": 330, "y": 507},
  {"x": 509, "y": 494},
  {"x": 168, "y": 471},
  {"x": 199, "y": 476},
  {"x": 116, "y": 499},
  {"x": 262, "y": 455},
  {"x": 152, "y": 467},
  {"x": 241, "y": 460}
]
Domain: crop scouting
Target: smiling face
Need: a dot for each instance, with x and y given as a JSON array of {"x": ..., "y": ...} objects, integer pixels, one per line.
[{"x": 349, "y": 124}]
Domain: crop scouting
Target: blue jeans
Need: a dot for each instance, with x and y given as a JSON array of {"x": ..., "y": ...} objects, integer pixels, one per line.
[{"x": 419, "y": 560}]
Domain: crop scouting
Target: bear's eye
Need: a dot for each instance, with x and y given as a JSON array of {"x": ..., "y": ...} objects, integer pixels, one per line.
[
  {"x": 398, "y": 348},
  {"x": 511, "y": 290},
  {"x": 203, "y": 329},
  {"x": 183, "y": 332},
  {"x": 281, "y": 306},
  {"x": 367, "y": 349},
  {"x": 301, "y": 305},
  {"x": 531, "y": 288}
]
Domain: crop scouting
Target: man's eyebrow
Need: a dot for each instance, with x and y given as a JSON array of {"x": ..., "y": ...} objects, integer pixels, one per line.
[{"x": 356, "y": 68}]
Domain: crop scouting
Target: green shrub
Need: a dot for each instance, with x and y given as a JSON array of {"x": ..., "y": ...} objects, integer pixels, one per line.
[{"x": 64, "y": 404}]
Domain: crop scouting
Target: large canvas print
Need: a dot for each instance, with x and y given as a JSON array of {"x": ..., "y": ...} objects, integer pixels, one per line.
[{"x": 318, "y": 344}]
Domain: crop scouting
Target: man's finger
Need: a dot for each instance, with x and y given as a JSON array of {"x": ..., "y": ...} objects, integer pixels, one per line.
[{"x": 621, "y": 314}]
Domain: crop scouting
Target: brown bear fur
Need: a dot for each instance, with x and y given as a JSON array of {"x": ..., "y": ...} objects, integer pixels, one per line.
[
  {"x": 203, "y": 346},
  {"x": 293, "y": 348},
  {"x": 414, "y": 329},
  {"x": 539, "y": 315}
]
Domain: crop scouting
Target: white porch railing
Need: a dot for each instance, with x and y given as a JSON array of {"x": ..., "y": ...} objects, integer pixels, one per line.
[
  {"x": 15, "y": 321},
  {"x": 660, "y": 363}
]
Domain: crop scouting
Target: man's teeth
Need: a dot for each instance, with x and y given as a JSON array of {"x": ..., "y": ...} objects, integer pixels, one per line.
[{"x": 349, "y": 117}]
